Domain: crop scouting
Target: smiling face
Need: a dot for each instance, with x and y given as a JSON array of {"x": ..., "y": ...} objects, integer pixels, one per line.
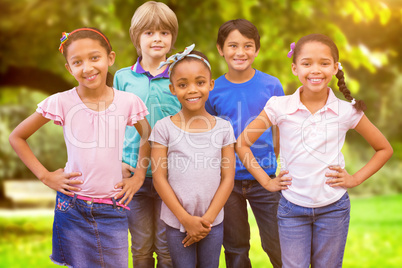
[
  {"x": 239, "y": 52},
  {"x": 191, "y": 83},
  {"x": 155, "y": 44},
  {"x": 88, "y": 62},
  {"x": 315, "y": 66}
]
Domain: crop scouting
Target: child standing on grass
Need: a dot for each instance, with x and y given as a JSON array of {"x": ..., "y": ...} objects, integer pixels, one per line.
[
  {"x": 153, "y": 31},
  {"x": 193, "y": 165},
  {"x": 239, "y": 96},
  {"x": 90, "y": 222},
  {"x": 314, "y": 210}
]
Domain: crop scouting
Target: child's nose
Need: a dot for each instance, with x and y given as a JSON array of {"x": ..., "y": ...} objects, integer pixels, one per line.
[
  {"x": 88, "y": 66},
  {"x": 157, "y": 36},
  {"x": 192, "y": 89},
  {"x": 316, "y": 68},
  {"x": 240, "y": 51}
]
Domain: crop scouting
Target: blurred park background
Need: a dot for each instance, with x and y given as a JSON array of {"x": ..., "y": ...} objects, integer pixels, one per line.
[{"x": 368, "y": 34}]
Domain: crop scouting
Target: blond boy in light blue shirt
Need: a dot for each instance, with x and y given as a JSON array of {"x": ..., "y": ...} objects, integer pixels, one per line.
[{"x": 153, "y": 31}]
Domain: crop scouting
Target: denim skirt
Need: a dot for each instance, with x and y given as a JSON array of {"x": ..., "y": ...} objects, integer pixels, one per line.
[{"x": 87, "y": 234}]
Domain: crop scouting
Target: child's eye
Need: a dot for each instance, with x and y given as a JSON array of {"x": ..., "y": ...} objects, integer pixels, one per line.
[
  {"x": 181, "y": 85},
  {"x": 232, "y": 46},
  {"x": 201, "y": 83},
  {"x": 148, "y": 33},
  {"x": 94, "y": 58},
  {"x": 165, "y": 33},
  {"x": 306, "y": 64},
  {"x": 76, "y": 62}
]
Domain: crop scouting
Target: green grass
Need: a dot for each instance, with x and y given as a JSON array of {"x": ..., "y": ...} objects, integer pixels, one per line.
[
  {"x": 375, "y": 234},
  {"x": 375, "y": 237},
  {"x": 26, "y": 241}
]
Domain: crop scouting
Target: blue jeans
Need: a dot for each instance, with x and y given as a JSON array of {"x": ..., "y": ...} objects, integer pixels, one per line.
[
  {"x": 148, "y": 231},
  {"x": 203, "y": 254},
  {"x": 315, "y": 236},
  {"x": 236, "y": 239},
  {"x": 88, "y": 234}
]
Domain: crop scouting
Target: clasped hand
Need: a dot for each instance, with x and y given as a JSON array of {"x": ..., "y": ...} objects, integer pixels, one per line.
[{"x": 197, "y": 228}]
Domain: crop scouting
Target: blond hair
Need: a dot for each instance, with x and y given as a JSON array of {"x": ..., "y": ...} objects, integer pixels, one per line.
[{"x": 156, "y": 16}]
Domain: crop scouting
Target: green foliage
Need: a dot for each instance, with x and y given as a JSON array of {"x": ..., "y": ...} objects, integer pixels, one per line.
[
  {"x": 47, "y": 144},
  {"x": 386, "y": 181},
  {"x": 31, "y": 37},
  {"x": 30, "y": 30}
]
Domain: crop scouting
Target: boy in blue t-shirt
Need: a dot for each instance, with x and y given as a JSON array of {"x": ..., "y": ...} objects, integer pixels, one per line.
[
  {"x": 153, "y": 31},
  {"x": 239, "y": 96}
]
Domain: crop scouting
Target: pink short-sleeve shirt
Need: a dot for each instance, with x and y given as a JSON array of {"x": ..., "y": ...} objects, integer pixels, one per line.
[
  {"x": 94, "y": 140},
  {"x": 310, "y": 143}
]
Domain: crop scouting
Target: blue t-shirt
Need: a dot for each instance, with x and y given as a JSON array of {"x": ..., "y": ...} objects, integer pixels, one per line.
[
  {"x": 242, "y": 103},
  {"x": 154, "y": 92}
]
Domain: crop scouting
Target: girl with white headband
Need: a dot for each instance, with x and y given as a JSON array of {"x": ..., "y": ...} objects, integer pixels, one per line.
[{"x": 193, "y": 165}]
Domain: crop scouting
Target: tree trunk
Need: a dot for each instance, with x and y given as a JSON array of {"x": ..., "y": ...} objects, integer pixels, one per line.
[
  {"x": 34, "y": 78},
  {"x": 5, "y": 202}
]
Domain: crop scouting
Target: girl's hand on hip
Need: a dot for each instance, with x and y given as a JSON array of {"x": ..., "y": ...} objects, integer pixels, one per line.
[
  {"x": 127, "y": 170},
  {"x": 340, "y": 178},
  {"x": 281, "y": 182},
  {"x": 62, "y": 182},
  {"x": 129, "y": 187}
]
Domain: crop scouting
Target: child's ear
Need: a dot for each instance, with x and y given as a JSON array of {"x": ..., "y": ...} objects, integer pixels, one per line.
[
  {"x": 256, "y": 53},
  {"x": 211, "y": 85},
  {"x": 68, "y": 68},
  {"x": 171, "y": 87},
  {"x": 336, "y": 67},
  {"x": 219, "y": 50},
  {"x": 294, "y": 69},
  {"x": 111, "y": 57}
]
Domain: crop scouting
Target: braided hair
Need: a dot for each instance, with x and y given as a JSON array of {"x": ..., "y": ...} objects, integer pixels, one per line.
[{"x": 359, "y": 104}]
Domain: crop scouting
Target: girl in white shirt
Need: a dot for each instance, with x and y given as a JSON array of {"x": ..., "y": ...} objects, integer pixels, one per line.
[{"x": 314, "y": 210}]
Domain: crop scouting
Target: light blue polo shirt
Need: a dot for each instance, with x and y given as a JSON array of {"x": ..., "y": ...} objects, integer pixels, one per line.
[{"x": 154, "y": 92}]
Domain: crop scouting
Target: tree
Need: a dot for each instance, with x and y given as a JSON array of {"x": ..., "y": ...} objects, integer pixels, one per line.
[{"x": 30, "y": 30}]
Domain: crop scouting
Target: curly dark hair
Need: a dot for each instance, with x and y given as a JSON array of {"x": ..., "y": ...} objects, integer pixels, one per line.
[{"x": 191, "y": 59}]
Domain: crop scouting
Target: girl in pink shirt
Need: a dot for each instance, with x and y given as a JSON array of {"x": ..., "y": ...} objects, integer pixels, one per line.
[
  {"x": 314, "y": 210},
  {"x": 90, "y": 224}
]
